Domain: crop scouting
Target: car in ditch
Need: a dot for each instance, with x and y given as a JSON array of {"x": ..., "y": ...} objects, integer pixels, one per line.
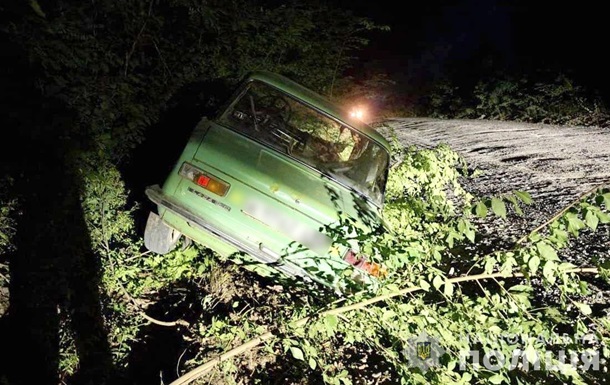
[{"x": 267, "y": 178}]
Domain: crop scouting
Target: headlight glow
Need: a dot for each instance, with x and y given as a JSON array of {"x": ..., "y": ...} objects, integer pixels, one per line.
[{"x": 358, "y": 112}]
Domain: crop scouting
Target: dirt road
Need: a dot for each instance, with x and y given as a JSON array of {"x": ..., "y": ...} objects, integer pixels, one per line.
[{"x": 549, "y": 161}]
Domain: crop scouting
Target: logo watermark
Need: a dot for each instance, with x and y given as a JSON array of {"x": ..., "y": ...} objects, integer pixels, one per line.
[
  {"x": 423, "y": 351},
  {"x": 519, "y": 353}
]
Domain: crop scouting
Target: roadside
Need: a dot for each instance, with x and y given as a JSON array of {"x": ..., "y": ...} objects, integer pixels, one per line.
[{"x": 555, "y": 164}]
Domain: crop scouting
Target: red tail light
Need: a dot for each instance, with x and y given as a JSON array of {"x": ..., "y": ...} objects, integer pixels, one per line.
[
  {"x": 360, "y": 261},
  {"x": 204, "y": 179}
]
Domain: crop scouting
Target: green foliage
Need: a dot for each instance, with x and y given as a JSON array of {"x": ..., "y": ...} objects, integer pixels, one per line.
[
  {"x": 552, "y": 98},
  {"x": 116, "y": 65},
  {"x": 498, "y": 204},
  {"x": 104, "y": 201},
  {"x": 432, "y": 174},
  {"x": 447, "y": 100},
  {"x": 129, "y": 275}
]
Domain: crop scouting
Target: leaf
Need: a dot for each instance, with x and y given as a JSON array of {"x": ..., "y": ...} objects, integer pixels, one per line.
[
  {"x": 603, "y": 217},
  {"x": 520, "y": 288},
  {"x": 466, "y": 377},
  {"x": 450, "y": 238},
  {"x": 481, "y": 210},
  {"x": 392, "y": 288},
  {"x": 591, "y": 220},
  {"x": 561, "y": 236},
  {"x": 531, "y": 354},
  {"x": 549, "y": 271},
  {"x": 332, "y": 320},
  {"x": 522, "y": 298},
  {"x": 297, "y": 353},
  {"x": 554, "y": 314},
  {"x": 312, "y": 364},
  {"x": 566, "y": 266},
  {"x": 462, "y": 225},
  {"x": 517, "y": 207},
  {"x": 524, "y": 196},
  {"x": 388, "y": 315},
  {"x": 535, "y": 237},
  {"x": 496, "y": 379},
  {"x": 533, "y": 263},
  {"x": 574, "y": 224},
  {"x": 547, "y": 251},
  {"x": 490, "y": 264},
  {"x": 36, "y": 8},
  {"x": 424, "y": 285},
  {"x": 448, "y": 288},
  {"x": 584, "y": 288},
  {"x": 498, "y": 207},
  {"x": 583, "y": 307},
  {"x": 437, "y": 282},
  {"x": 470, "y": 234},
  {"x": 606, "y": 197}
]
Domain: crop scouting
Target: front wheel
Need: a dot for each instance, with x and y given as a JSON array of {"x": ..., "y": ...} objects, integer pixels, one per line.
[{"x": 159, "y": 237}]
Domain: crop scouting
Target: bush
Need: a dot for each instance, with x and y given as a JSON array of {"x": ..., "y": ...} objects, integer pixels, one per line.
[{"x": 554, "y": 99}]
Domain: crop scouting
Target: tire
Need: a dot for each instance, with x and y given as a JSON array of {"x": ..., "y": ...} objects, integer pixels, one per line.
[{"x": 159, "y": 237}]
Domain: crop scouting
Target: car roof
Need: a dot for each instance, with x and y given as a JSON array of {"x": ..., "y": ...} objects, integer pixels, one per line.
[{"x": 317, "y": 101}]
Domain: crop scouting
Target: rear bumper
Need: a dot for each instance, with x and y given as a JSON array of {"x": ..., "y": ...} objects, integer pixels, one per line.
[{"x": 156, "y": 195}]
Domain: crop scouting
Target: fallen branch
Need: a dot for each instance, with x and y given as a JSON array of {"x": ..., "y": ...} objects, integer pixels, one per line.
[
  {"x": 143, "y": 312},
  {"x": 563, "y": 211},
  {"x": 164, "y": 323},
  {"x": 206, "y": 367}
]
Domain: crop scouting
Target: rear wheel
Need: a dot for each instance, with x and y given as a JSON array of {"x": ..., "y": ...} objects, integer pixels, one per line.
[{"x": 159, "y": 237}]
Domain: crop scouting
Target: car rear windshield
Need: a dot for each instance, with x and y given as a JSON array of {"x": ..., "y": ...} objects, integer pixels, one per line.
[{"x": 277, "y": 120}]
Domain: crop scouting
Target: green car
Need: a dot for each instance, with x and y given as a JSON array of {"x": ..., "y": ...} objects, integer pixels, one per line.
[{"x": 266, "y": 178}]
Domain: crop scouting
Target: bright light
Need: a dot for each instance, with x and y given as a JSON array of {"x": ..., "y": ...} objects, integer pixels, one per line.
[{"x": 358, "y": 112}]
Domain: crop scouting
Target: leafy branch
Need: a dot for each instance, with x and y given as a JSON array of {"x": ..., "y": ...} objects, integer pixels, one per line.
[{"x": 209, "y": 365}]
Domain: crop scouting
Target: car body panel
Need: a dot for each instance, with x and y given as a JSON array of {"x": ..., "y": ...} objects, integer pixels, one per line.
[{"x": 276, "y": 205}]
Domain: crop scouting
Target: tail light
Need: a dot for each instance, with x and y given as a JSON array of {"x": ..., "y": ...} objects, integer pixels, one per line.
[
  {"x": 360, "y": 261},
  {"x": 204, "y": 179}
]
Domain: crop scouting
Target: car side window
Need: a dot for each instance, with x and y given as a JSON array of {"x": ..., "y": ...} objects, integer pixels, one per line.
[{"x": 267, "y": 114}]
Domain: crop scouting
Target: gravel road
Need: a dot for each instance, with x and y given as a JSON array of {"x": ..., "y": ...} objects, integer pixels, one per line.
[
  {"x": 555, "y": 164},
  {"x": 551, "y": 162}
]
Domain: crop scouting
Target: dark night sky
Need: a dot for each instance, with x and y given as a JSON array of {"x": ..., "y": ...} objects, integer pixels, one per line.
[{"x": 430, "y": 37}]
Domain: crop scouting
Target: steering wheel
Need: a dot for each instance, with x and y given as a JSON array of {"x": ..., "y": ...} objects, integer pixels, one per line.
[{"x": 275, "y": 104}]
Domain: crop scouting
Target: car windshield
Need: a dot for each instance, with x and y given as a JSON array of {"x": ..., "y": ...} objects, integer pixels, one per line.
[{"x": 270, "y": 116}]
